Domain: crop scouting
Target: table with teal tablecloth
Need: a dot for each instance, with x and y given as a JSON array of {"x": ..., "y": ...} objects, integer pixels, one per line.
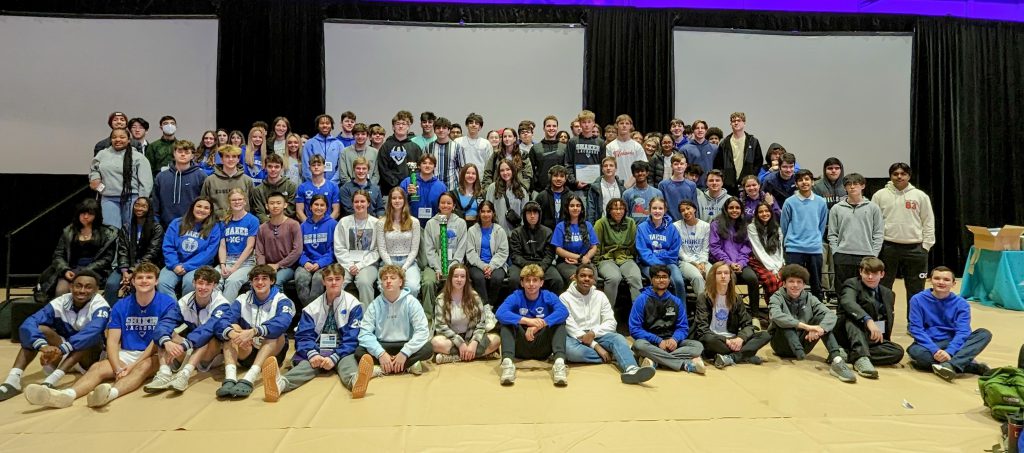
[{"x": 996, "y": 280}]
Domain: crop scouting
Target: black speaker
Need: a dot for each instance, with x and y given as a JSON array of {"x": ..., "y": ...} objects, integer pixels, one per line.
[{"x": 21, "y": 309}]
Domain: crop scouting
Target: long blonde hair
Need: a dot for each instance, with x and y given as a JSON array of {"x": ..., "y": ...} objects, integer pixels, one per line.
[
  {"x": 228, "y": 214},
  {"x": 711, "y": 288},
  {"x": 406, "y": 223},
  {"x": 470, "y": 306},
  {"x": 286, "y": 158},
  {"x": 250, "y": 152}
]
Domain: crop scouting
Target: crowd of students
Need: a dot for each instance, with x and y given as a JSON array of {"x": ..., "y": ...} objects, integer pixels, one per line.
[{"x": 198, "y": 245}]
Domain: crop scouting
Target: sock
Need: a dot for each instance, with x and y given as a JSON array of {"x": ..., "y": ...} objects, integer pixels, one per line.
[
  {"x": 113, "y": 394},
  {"x": 165, "y": 369},
  {"x": 70, "y": 392},
  {"x": 14, "y": 378},
  {"x": 231, "y": 372},
  {"x": 54, "y": 377},
  {"x": 253, "y": 373},
  {"x": 187, "y": 370}
]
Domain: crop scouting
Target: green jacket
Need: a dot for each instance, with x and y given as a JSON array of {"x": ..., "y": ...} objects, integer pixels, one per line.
[{"x": 617, "y": 242}]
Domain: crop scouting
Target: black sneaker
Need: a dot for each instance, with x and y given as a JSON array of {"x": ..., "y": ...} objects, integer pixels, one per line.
[{"x": 978, "y": 368}]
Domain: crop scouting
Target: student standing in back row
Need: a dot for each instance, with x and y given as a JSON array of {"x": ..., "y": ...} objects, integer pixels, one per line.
[
  {"x": 396, "y": 152},
  {"x": 739, "y": 154},
  {"x": 804, "y": 217},
  {"x": 583, "y": 155},
  {"x": 909, "y": 229}
]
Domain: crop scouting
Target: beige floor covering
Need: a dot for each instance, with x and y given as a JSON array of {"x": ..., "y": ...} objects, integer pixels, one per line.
[{"x": 779, "y": 406}]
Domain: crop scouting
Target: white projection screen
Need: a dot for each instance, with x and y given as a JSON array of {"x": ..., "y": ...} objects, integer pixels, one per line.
[
  {"x": 61, "y": 78},
  {"x": 506, "y": 73},
  {"x": 817, "y": 95}
]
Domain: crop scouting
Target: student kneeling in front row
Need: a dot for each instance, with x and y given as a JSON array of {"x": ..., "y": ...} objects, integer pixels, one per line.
[
  {"x": 532, "y": 327},
  {"x": 590, "y": 329},
  {"x": 799, "y": 320},
  {"x": 326, "y": 340},
  {"x": 940, "y": 322}
]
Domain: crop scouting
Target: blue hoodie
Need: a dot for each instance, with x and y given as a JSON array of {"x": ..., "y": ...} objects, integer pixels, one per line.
[
  {"x": 81, "y": 329},
  {"x": 643, "y": 319},
  {"x": 400, "y": 321},
  {"x": 256, "y": 170},
  {"x": 376, "y": 207},
  {"x": 270, "y": 317},
  {"x": 174, "y": 191},
  {"x": 141, "y": 326},
  {"x": 933, "y": 320},
  {"x": 702, "y": 154},
  {"x": 547, "y": 306},
  {"x": 658, "y": 245},
  {"x": 192, "y": 250},
  {"x": 318, "y": 241},
  {"x": 430, "y": 193},
  {"x": 676, "y": 191},
  {"x": 328, "y": 147}
]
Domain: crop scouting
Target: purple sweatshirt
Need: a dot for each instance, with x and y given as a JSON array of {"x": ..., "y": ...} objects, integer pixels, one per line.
[
  {"x": 750, "y": 206},
  {"x": 728, "y": 250}
]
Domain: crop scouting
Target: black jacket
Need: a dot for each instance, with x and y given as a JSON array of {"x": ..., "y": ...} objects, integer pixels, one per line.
[
  {"x": 752, "y": 160},
  {"x": 857, "y": 300},
  {"x": 104, "y": 237},
  {"x": 531, "y": 246},
  {"x": 131, "y": 252},
  {"x": 543, "y": 156},
  {"x": 546, "y": 200},
  {"x": 739, "y": 323}
]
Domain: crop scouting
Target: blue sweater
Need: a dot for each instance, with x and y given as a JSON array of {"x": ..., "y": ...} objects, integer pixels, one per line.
[
  {"x": 638, "y": 328},
  {"x": 803, "y": 223},
  {"x": 702, "y": 154},
  {"x": 141, "y": 326},
  {"x": 318, "y": 241},
  {"x": 658, "y": 245},
  {"x": 934, "y": 320},
  {"x": 430, "y": 193},
  {"x": 174, "y": 191},
  {"x": 192, "y": 250},
  {"x": 547, "y": 306},
  {"x": 328, "y": 147},
  {"x": 676, "y": 191}
]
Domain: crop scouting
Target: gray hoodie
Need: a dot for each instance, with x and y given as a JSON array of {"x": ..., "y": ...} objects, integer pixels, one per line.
[
  {"x": 856, "y": 230},
  {"x": 430, "y": 242},
  {"x": 499, "y": 247},
  {"x": 786, "y": 313},
  {"x": 108, "y": 165}
]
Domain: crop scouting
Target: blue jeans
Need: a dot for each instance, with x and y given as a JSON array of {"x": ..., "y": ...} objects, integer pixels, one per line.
[
  {"x": 114, "y": 213},
  {"x": 284, "y": 275},
  {"x": 678, "y": 282},
  {"x": 169, "y": 282},
  {"x": 615, "y": 344},
  {"x": 922, "y": 358}
]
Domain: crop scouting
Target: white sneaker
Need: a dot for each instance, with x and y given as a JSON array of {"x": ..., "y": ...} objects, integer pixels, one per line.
[
  {"x": 560, "y": 373},
  {"x": 378, "y": 371},
  {"x": 647, "y": 363},
  {"x": 446, "y": 358},
  {"x": 40, "y": 395},
  {"x": 159, "y": 383},
  {"x": 508, "y": 372},
  {"x": 100, "y": 396},
  {"x": 416, "y": 369},
  {"x": 179, "y": 382}
]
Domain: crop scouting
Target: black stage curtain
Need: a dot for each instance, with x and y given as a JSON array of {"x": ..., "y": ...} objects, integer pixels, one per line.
[
  {"x": 803, "y": 22},
  {"x": 967, "y": 105},
  {"x": 629, "y": 66},
  {"x": 270, "y": 63},
  {"x": 112, "y": 7},
  {"x": 453, "y": 14}
]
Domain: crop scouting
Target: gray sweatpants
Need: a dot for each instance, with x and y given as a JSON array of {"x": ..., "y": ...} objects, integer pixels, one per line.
[
  {"x": 687, "y": 350},
  {"x": 303, "y": 372}
]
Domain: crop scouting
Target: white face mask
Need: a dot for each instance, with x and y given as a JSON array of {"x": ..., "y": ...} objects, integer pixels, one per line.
[{"x": 169, "y": 129}]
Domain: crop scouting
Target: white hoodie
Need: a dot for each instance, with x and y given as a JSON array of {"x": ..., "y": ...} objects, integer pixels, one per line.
[
  {"x": 908, "y": 215},
  {"x": 591, "y": 312}
]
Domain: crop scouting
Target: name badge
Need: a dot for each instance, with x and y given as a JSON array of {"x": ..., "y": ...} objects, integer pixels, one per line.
[
  {"x": 328, "y": 341},
  {"x": 426, "y": 212},
  {"x": 328, "y": 166}
]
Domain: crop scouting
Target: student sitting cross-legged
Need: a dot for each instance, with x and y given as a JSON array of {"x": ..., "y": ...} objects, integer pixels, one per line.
[
  {"x": 723, "y": 324},
  {"x": 68, "y": 331},
  {"x": 138, "y": 323},
  {"x": 394, "y": 331},
  {"x": 590, "y": 329},
  {"x": 326, "y": 340},
  {"x": 940, "y": 322},
  {"x": 798, "y": 320},
  {"x": 253, "y": 329},
  {"x": 532, "y": 327},
  {"x": 659, "y": 328},
  {"x": 462, "y": 321},
  {"x": 866, "y": 319},
  {"x": 201, "y": 310}
]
